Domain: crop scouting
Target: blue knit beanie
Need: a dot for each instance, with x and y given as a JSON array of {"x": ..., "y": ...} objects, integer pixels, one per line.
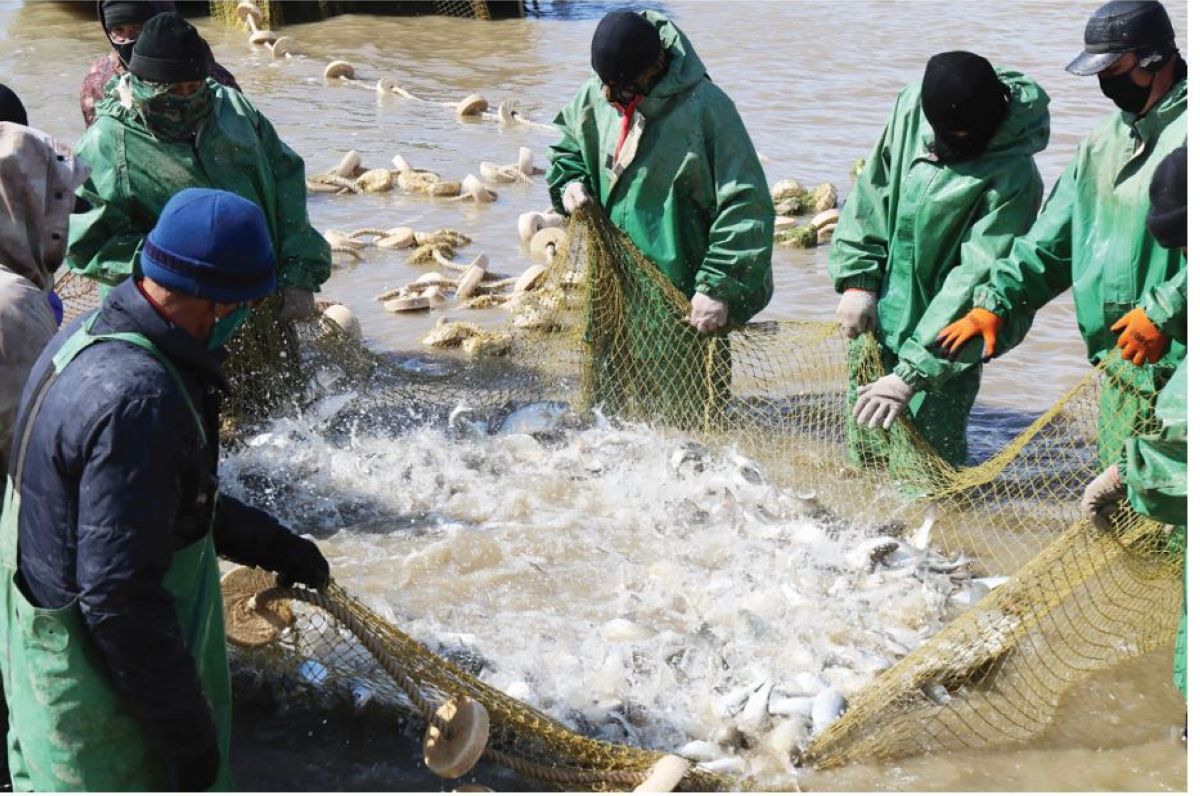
[{"x": 211, "y": 244}]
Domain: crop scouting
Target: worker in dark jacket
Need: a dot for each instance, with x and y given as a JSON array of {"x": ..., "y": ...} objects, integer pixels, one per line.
[{"x": 110, "y": 611}]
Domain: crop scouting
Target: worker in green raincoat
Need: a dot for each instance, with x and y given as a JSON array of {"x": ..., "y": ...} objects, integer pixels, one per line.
[
  {"x": 113, "y": 638},
  {"x": 950, "y": 184},
  {"x": 1152, "y": 473},
  {"x": 164, "y": 126},
  {"x": 1091, "y": 236},
  {"x": 664, "y": 154}
]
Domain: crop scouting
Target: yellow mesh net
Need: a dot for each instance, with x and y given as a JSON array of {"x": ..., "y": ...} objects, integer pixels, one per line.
[
  {"x": 225, "y": 11},
  {"x": 605, "y": 330}
]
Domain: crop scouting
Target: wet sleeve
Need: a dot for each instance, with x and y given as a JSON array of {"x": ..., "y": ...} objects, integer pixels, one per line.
[
  {"x": 1039, "y": 266},
  {"x": 1008, "y": 211},
  {"x": 247, "y": 535},
  {"x": 737, "y": 262},
  {"x": 568, "y": 163},
  {"x": 1166, "y": 305},
  {"x": 129, "y": 491},
  {"x": 303, "y": 259},
  {"x": 104, "y": 243},
  {"x": 858, "y": 252},
  {"x": 1154, "y": 469}
]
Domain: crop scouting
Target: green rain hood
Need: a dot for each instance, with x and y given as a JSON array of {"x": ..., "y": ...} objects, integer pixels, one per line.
[
  {"x": 134, "y": 174},
  {"x": 923, "y": 234},
  {"x": 687, "y": 186}
]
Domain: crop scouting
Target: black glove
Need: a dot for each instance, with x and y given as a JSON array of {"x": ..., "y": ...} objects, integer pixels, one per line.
[
  {"x": 197, "y": 773},
  {"x": 300, "y": 561}
]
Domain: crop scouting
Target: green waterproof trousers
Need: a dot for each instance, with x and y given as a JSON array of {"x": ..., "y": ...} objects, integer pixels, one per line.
[{"x": 69, "y": 729}]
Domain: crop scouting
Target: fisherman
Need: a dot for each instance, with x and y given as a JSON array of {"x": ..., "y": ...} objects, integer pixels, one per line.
[
  {"x": 950, "y": 184},
  {"x": 664, "y": 154},
  {"x": 1152, "y": 473},
  {"x": 1090, "y": 235},
  {"x": 164, "y": 127},
  {"x": 122, "y": 21},
  {"x": 114, "y": 641},
  {"x": 38, "y": 178}
]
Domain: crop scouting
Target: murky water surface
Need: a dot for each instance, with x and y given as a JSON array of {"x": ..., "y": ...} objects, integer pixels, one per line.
[{"x": 594, "y": 577}]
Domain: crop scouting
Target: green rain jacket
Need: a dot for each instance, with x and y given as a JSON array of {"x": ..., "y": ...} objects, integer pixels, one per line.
[
  {"x": 134, "y": 174},
  {"x": 923, "y": 234},
  {"x": 1092, "y": 237},
  {"x": 687, "y": 187},
  {"x": 1155, "y": 466}
]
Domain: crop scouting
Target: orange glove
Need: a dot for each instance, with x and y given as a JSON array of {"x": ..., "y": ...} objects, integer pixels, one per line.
[
  {"x": 1141, "y": 341},
  {"x": 975, "y": 323}
]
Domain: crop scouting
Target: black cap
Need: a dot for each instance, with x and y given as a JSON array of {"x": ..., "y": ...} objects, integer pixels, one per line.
[
  {"x": 961, "y": 91},
  {"x": 126, "y": 12},
  {"x": 169, "y": 50},
  {"x": 625, "y": 45},
  {"x": 11, "y": 108},
  {"x": 1119, "y": 27},
  {"x": 1167, "y": 219}
]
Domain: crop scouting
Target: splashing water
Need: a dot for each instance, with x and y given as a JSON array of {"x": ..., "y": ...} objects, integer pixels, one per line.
[{"x": 631, "y": 583}]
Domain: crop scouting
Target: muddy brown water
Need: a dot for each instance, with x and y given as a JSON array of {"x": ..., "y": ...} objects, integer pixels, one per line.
[{"x": 814, "y": 83}]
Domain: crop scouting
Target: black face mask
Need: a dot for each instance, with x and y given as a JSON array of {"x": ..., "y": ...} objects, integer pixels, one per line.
[
  {"x": 1127, "y": 95},
  {"x": 124, "y": 52},
  {"x": 956, "y": 148}
]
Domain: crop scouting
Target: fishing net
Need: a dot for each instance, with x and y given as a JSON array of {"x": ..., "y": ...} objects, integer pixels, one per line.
[
  {"x": 225, "y": 11},
  {"x": 605, "y": 330}
]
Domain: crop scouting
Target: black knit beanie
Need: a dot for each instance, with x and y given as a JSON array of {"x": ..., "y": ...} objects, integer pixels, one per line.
[
  {"x": 625, "y": 45},
  {"x": 126, "y": 12},
  {"x": 961, "y": 91},
  {"x": 1167, "y": 219},
  {"x": 11, "y": 109},
  {"x": 169, "y": 50}
]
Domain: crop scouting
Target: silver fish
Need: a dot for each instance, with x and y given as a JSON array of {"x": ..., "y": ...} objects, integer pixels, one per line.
[{"x": 827, "y": 707}]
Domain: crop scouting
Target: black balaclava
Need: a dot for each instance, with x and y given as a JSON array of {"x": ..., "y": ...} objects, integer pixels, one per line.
[
  {"x": 1167, "y": 219},
  {"x": 169, "y": 50},
  {"x": 11, "y": 109},
  {"x": 962, "y": 92},
  {"x": 624, "y": 46},
  {"x": 126, "y": 12}
]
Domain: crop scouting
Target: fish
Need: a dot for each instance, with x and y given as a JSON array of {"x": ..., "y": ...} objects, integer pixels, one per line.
[
  {"x": 534, "y": 418},
  {"x": 790, "y": 706},
  {"x": 312, "y": 671},
  {"x": 726, "y": 765},
  {"x": 921, "y": 536},
  {"x": 754, "y": 714},
  {"x": 461, "y": 422},
  {"x": 700, "y": 751},
  {"x": 827, "y": 707}
]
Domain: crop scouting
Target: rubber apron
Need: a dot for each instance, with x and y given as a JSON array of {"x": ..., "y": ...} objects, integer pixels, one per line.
[{"x": 69, "y": 727}]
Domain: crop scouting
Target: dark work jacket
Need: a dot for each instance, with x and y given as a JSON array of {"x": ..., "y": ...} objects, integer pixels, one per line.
[{"x": 116, "y": 479}]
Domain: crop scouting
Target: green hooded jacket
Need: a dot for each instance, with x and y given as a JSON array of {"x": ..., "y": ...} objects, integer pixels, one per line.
[
  {"x": 923, "y": 234},
  {"x": 1092, "y": 237},
  {"x": 687, "y": 188},
  {"x": 1154, "y": 468},
  {"x": 134, "y": 174}
]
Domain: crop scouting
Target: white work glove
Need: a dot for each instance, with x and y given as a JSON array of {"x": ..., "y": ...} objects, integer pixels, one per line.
[
  {"x": 298, "y": 304},
  {"x": 1101, "y": 498},
  {"x": 708, "y": 314},
  {"x": 574, "y": 196},
  {"x": 856, "y": 312},
  {"x": 882, "y": 401}
]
